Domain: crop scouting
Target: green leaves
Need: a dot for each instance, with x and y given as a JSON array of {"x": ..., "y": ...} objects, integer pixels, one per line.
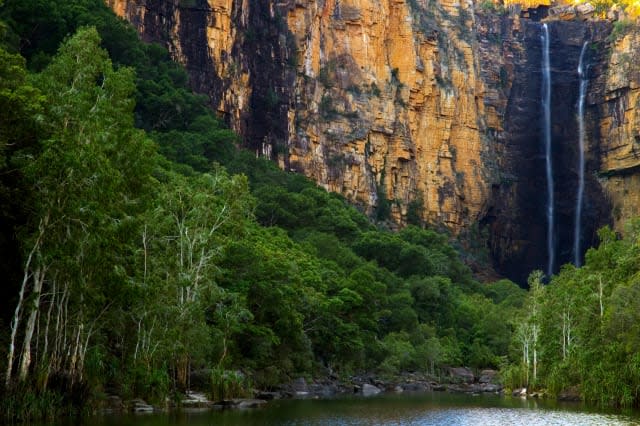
[
  {"x": 587, "y": 319},
  {"x": 167, "y": 253}
]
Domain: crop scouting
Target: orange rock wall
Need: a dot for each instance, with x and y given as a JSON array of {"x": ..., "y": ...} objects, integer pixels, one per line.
[
  {"x": 619, "y": 142},
  {"x": 386, "y": 100}
]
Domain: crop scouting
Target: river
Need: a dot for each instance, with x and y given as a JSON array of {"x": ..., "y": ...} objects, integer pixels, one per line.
[{"x": 402, "y": 409}]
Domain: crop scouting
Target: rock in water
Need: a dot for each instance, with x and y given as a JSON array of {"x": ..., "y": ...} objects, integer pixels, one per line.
[
  {"x": 571, "y": 393},
  {"x": 140, "y": 406},
  {"x": 368, "y": 390}
]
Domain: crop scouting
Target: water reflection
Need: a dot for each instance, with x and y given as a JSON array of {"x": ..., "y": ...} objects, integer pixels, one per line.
[{"x": 426, "y": 409}]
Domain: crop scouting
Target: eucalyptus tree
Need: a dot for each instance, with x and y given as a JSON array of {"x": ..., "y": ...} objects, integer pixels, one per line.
[
  {"x": 88, "y": 175},
  {"x": 21, "y": 104},
  {"x": 182, "y": 242}
]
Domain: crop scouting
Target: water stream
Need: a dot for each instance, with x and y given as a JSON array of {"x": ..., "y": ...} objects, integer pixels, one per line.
[
  {"x": 546, "y": 130},
  {"x": 582, "y": 75}
]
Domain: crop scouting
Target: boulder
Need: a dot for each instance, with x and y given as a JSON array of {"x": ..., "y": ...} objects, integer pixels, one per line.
[
  {"x": 487, "y": 376},
  {"x": 196, "y": 400},
  {"x": 140, "y": 406},
  {"x": 200, "y": 379},
  {"x": 519, "y": 392},
  {"x": 461, "y": 375},
  {"x": 416, "y": 387},
  {"x": 250, "y": 403},
  {"x": 113, "y": 403},
  {"x": 490, "y": 387},
  {"x": 268, "y": 396},
  {"x": 585, "y": 9},
  {"x": 567, "y": 13},
  {"x": 461, "y": 388},
  {"x": 369, "y": 390},
  {"x": 241, "y": 403},
  {"x": 323, "y": 389},
  {"x": 300, "y": 387}
]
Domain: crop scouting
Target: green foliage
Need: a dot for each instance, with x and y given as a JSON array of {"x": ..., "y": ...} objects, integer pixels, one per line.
[
  {"x": 587, "y": 318},
  {"x": 414, "y": 212},
  {"x": 152, "y": 385},
  {"x": 227, "y": 384},
  {"x": 23, "y": 404},
  {"x": 173, "y": 264},
  {"x": 383, "y": 208},
  {"x": 489, "y": 6},
  {"x": 620, "y": 29}
]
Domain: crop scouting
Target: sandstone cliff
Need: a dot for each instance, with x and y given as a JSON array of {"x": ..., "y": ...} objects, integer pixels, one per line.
[
  {"x": 420, "y": 110},
  {"x": 510, "y": 56},
  {"x": 379, "y": 100},
  {"x": 618, "y": 143}
]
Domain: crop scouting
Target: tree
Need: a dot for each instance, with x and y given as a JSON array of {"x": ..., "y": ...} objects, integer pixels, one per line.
[
  {"x": 90, "y": 164},
  {"x": 21, "y": 103},
  {"x": 182, "y": 243}
]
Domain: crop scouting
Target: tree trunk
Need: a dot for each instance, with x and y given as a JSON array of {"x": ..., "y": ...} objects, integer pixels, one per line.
[
  {"x": 25, "y": 362},
  {"x": 17, "y": 315},
  {"x": 600, "y": 290}
]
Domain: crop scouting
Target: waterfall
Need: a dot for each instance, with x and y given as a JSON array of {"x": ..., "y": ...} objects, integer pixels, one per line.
[
  {"x": 546, "y": 125},
  {"x": 582, "y": 75}
]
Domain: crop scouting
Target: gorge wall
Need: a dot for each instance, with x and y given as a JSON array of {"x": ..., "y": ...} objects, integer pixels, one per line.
[
  {"x": 420, "y": 110},
  {"x": 516, "y": 214},
  {"x": 375, "y": 99}
]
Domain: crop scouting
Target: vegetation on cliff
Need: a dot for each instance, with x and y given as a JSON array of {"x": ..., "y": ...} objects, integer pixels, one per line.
[{"x": 135, "y": 258}]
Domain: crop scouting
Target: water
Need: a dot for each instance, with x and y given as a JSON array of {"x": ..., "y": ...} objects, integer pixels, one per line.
[
  {"x": 404, "y": 409},
  {"x": 582, "y": 75},
  {"x": 546, "y": 130}
]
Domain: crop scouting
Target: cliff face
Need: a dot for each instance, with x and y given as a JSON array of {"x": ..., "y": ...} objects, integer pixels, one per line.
[
  {"x": 618, "y": 144},
  {"x": 420, "y": 110},
  {"x": 511, "y": 57},
  {"x": 376, "y": 99}
]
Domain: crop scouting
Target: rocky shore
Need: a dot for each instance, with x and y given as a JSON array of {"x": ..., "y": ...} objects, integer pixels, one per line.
[{"x": 455, "y": 380}]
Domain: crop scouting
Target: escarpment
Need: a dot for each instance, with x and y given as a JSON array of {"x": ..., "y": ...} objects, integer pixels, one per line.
[
  {"x": 377, "y": 100},
  {"x": 516, "y": 215},
  {"x": 423, "y": 112},
  {"x": 617, "y": 141}
]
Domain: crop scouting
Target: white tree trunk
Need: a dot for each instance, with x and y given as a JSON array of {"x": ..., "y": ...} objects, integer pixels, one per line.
[
  {"x": 25, "y": 362},
  {"x": 17, "y": 315},
  {"x": 600, "y": 291}
]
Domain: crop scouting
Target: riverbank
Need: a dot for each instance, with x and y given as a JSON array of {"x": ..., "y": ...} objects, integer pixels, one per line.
[{"x": 454, "y": 380}]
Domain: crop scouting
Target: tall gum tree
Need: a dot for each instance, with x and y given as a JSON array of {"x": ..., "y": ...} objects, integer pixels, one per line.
[{"x": 88, "y": 173}]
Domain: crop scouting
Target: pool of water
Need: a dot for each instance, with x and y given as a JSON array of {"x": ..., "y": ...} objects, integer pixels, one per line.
[{"x": 402, "y": 409}]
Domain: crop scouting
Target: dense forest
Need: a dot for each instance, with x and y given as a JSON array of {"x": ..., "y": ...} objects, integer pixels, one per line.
[
  {"x": 144, "y": 245},
  {"x": 141, "y": 245}
]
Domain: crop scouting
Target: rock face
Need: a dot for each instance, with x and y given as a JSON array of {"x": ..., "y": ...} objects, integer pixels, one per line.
[
  {"x": 375, "y": 99},
  {"x": 510, "y": 56},
  {"x": 420, "y": 111},
  {"x": 618, "y": 110}
]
